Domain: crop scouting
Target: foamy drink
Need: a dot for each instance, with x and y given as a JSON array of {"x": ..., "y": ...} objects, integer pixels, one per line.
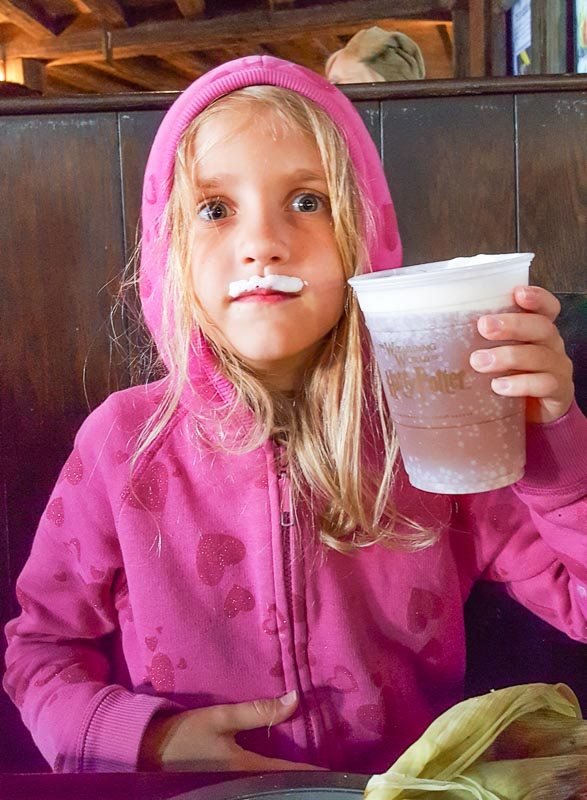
[{"x": 455, "y": 434}]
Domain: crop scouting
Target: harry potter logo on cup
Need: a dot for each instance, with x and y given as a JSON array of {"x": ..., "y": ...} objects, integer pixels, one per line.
[
  {"x": 408, "y": 353},
  {"x": 419, "y": 382}
]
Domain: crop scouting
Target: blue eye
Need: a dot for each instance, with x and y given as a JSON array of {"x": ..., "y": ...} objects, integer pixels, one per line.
[
  {"x": 211, "y": 212},
  {"x": 308, "y": 203}
]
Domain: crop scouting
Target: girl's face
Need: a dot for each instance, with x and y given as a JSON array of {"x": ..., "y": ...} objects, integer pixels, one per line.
[{"x": 263, "y": 210}]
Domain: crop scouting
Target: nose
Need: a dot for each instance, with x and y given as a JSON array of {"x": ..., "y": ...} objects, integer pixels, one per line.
[{"x": 263, "y": 241}]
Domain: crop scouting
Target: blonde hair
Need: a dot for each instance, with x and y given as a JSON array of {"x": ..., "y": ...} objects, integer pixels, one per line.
[{"x": 341, "y": 447}]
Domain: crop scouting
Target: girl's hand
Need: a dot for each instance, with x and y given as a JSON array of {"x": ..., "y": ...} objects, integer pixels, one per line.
[
  {"x": 203, "y": 740},
  {"x": 542, "y": 371}
]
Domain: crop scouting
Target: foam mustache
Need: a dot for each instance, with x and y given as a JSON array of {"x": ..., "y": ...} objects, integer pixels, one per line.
[{"x": 279, "y": 283}]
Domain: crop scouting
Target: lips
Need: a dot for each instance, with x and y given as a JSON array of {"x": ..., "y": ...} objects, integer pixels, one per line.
[{"x": 267, "y": 295}]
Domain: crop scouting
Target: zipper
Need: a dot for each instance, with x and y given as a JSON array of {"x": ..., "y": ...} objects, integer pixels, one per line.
[{"x": 286, "y": 523}]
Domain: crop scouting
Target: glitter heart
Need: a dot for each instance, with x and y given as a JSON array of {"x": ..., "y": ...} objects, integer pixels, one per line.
[
  {"x": 55, "y": 512},
  {"x": 423, "y": 606},
  {"x": 150, "y": 492},
  {"x": 216, "y": 552},
  {"x": 275, "y": 622},
  {"x": 237, "y": 600},
  {"x": 276, "y": 670},
  {"x": 161, "y": 673},
  {"x": 73, "y": 471},
  {"x": 343, "y": 680}
]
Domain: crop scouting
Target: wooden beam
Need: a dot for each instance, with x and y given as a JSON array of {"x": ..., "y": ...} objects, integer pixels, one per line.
[
  {"x": 446, "y": 40},
  {"x": 499, "y": 38},
  {"x": 108, "y": 11},
  {"x": 26, "y": 72},
  {"x": 27, "y": 18},
  {"x": 84, "y": 23},
  {"x": 549, "y": 47},
  {"x": 189, "y": 65},
  {"x": 56, "y": 87},
  {"x": 477, "y": 38},
  {"x": 460, "y": 29},
  {"x": 191, "y": 9},
  {"x": 144, "y": 74},
  {"x": 87, "y": 80},
  {"x": 256, "y": 26}
]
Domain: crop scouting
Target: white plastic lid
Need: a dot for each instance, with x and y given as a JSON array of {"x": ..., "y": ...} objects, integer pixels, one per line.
[{"x": 456, "y": 283}]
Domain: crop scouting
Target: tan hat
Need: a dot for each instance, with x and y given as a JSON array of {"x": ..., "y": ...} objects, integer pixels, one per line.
[{"x": 375, "y": 55}]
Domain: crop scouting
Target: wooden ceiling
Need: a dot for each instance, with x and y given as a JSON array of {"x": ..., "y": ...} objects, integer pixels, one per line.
[{"x": 112, "y": 46}]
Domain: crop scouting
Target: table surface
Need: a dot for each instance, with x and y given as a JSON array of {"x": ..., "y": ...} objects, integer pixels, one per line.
[{"x": 131, "y": 786}]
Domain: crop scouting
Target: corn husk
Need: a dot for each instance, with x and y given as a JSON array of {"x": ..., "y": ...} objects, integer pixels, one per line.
[{"x": 512, "y": 744}]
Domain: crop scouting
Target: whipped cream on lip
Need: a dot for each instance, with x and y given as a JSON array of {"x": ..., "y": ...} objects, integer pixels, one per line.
[{"x": 284, "y": 284}]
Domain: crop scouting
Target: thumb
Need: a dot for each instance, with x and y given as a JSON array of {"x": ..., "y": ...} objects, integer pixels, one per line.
[{"x": 258, "y": 713}]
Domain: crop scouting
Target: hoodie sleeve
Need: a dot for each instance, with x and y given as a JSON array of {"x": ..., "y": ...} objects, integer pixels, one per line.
[
  {"x": 533, "y": 536},
  {"x": 73, "y": 594}
]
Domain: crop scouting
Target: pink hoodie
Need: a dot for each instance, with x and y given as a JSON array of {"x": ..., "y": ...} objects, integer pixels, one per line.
[{"x": 195, "y": 589}]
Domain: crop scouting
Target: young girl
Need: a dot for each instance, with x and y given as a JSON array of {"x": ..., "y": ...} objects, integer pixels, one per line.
[{"x": 233, "y": 572}]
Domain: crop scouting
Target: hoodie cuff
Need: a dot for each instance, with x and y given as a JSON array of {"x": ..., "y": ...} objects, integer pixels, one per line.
[
  {"x": 112, "y": 737},
  {"x": 556, "y": 454}
]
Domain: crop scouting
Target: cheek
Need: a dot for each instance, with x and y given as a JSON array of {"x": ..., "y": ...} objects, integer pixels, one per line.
[{"x": 207, "y": 281}]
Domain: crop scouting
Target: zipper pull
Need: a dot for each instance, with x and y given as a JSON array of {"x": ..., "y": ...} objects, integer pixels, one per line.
[{"x": 285, "y": 519}]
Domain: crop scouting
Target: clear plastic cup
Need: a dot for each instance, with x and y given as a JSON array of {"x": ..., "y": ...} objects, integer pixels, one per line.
[{"x": 455, "y": 434}]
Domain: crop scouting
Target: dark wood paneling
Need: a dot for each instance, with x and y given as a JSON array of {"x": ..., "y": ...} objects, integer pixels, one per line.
[
  {"x": 450, "y": 167},
  {"x": 552, "y": 157},
  {"x": 371, "y": 116},
  {"x": 61, "y": 244}
]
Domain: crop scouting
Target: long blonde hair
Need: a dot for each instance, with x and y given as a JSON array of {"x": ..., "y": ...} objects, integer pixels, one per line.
[{"x": 341, "y": 446}]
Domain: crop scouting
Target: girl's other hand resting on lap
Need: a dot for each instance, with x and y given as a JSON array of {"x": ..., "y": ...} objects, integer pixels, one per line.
[{"x": 203, "y": 740}]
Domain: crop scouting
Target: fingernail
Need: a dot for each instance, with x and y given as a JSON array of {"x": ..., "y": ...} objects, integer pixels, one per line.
[
  {"x": 481, "y": 358},
  {"x": 529, "y": 293},
  {"x": 491, "y": 324},
  {"x": 501, "y": 384},
  {"x": 289, "y": 698}
]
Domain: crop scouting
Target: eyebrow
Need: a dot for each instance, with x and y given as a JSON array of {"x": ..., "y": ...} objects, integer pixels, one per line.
[{"x": 301, "y": 175}]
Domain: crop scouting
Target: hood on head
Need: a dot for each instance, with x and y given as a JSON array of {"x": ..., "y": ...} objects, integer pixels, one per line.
[{"x": 385, "y": 249}]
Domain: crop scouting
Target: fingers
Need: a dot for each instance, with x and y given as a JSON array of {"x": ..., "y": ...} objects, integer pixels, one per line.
[
  {"x": 521, "y": 328},
  {"x": 522, "y": 358},
  {"x": 230, "y": 719},
  {"x": 538, "y": 300},
  {"x": 535, "y": 384},
  {"x": 253, "y": 714},
  {"x": 203, "y": 739},
  {"x": 542, "y": 372}
]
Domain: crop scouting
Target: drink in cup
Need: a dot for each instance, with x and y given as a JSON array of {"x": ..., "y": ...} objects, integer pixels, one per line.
[{"x": 455, "y": 434}]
